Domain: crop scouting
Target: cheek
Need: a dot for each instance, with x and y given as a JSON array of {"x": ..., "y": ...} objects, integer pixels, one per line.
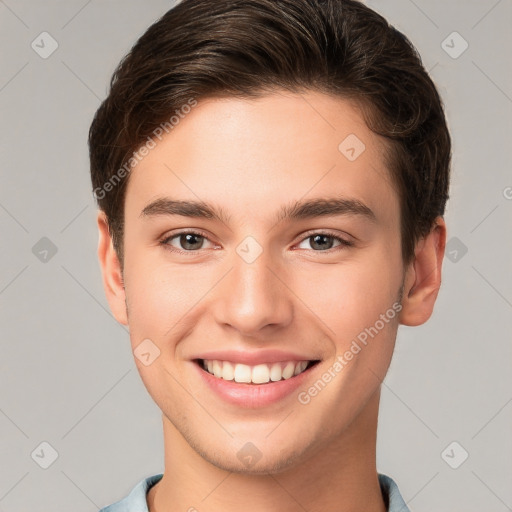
[
  {"x": 158, "y": 300},
  {"x": 350, "y": 296},
  {"x": 162, "y": 297}
]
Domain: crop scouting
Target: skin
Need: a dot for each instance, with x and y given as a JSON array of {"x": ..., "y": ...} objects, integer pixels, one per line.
[{"x": 251, "y": 157}]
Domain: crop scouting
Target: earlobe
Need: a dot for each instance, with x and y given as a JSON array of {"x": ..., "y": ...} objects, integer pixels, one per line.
[
  {"x": 423, "y": 277},
  {"x": 111, "y": 271}
]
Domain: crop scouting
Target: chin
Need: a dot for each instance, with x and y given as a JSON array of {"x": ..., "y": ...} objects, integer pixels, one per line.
[
  {"x": 252, "y": 458},
  {"x": 264, "y": 466}
]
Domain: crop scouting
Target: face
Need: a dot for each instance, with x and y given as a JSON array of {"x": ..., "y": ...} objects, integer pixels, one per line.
[{"x": 294, "y": 256}]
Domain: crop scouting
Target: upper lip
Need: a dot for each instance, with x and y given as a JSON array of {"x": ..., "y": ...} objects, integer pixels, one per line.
[{"x": 253, "y": 358}]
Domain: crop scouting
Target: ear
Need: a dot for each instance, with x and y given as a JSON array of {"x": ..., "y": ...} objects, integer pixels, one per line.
[
  {"x": 111, "y": 271},
  {"x": 423, "y": 277}
]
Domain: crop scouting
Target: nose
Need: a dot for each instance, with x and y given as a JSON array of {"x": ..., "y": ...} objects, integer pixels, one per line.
[{"x": 254, "y": 297}]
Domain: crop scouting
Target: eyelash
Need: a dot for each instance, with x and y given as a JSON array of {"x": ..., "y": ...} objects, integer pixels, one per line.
[{"x": 165, "y": 241}]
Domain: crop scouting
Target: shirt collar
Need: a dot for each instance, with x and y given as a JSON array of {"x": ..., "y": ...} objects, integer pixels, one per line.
[{"x": 136, "y": 500}]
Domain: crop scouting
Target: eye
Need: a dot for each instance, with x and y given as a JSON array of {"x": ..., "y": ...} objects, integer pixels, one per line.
[
  {"x": 321, "y": 242},
  {"x": 187, "y": 241},
  {"x": 190, "y": 241}
]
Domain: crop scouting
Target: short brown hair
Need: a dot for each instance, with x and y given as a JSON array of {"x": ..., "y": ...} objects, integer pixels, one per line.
[{"x": 246, "y": 48}]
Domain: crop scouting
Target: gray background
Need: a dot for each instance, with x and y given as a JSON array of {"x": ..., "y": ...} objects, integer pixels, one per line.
[{"x": 67, "y": 373}]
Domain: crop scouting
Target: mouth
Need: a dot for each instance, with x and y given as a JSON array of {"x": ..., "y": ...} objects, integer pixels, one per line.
[{"x": 259, "y": 374}]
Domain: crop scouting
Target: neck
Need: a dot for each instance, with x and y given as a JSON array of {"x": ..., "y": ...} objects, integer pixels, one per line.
[{"x": 340, "y": 477}]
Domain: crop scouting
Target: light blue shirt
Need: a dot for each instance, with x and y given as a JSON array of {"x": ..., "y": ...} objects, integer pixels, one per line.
[{"x": 136, "y": 500}]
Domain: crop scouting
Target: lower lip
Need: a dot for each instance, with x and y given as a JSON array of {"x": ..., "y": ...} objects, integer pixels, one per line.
[{"x": 252, "y": 396}]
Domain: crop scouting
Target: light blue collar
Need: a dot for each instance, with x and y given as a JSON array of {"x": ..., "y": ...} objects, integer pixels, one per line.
[{"x": 136, "y": 500}]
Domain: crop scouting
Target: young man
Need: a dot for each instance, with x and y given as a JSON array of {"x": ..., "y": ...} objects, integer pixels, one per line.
[{"x": 271, "y": 177}]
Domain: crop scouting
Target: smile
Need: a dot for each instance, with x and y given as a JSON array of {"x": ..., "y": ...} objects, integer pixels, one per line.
[{"x": 255, "y": 374}]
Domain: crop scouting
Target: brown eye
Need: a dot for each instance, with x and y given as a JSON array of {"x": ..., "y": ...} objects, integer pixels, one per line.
[
  {"x": 320, "y": 242},
  {"x": 186, "y": 241},
  {"x": 190, "y": 241}
]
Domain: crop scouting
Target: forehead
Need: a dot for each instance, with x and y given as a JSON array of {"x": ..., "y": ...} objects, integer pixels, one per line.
[{"x": 252, "y": 156}]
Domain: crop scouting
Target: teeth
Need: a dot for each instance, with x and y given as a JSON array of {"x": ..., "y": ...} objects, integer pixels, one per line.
[
  {"x": 228, "y": 372},
  {"x": 258, "y": 374},
  {"x": 242, "y": 373},
  {"x": 275, "y": 372},
  {"x": 289, "y": 370},
  {"x": 217, "y": 369}
]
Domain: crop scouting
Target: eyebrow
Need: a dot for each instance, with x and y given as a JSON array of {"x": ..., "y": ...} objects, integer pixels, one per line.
[{"x": 321, "y": 207}]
